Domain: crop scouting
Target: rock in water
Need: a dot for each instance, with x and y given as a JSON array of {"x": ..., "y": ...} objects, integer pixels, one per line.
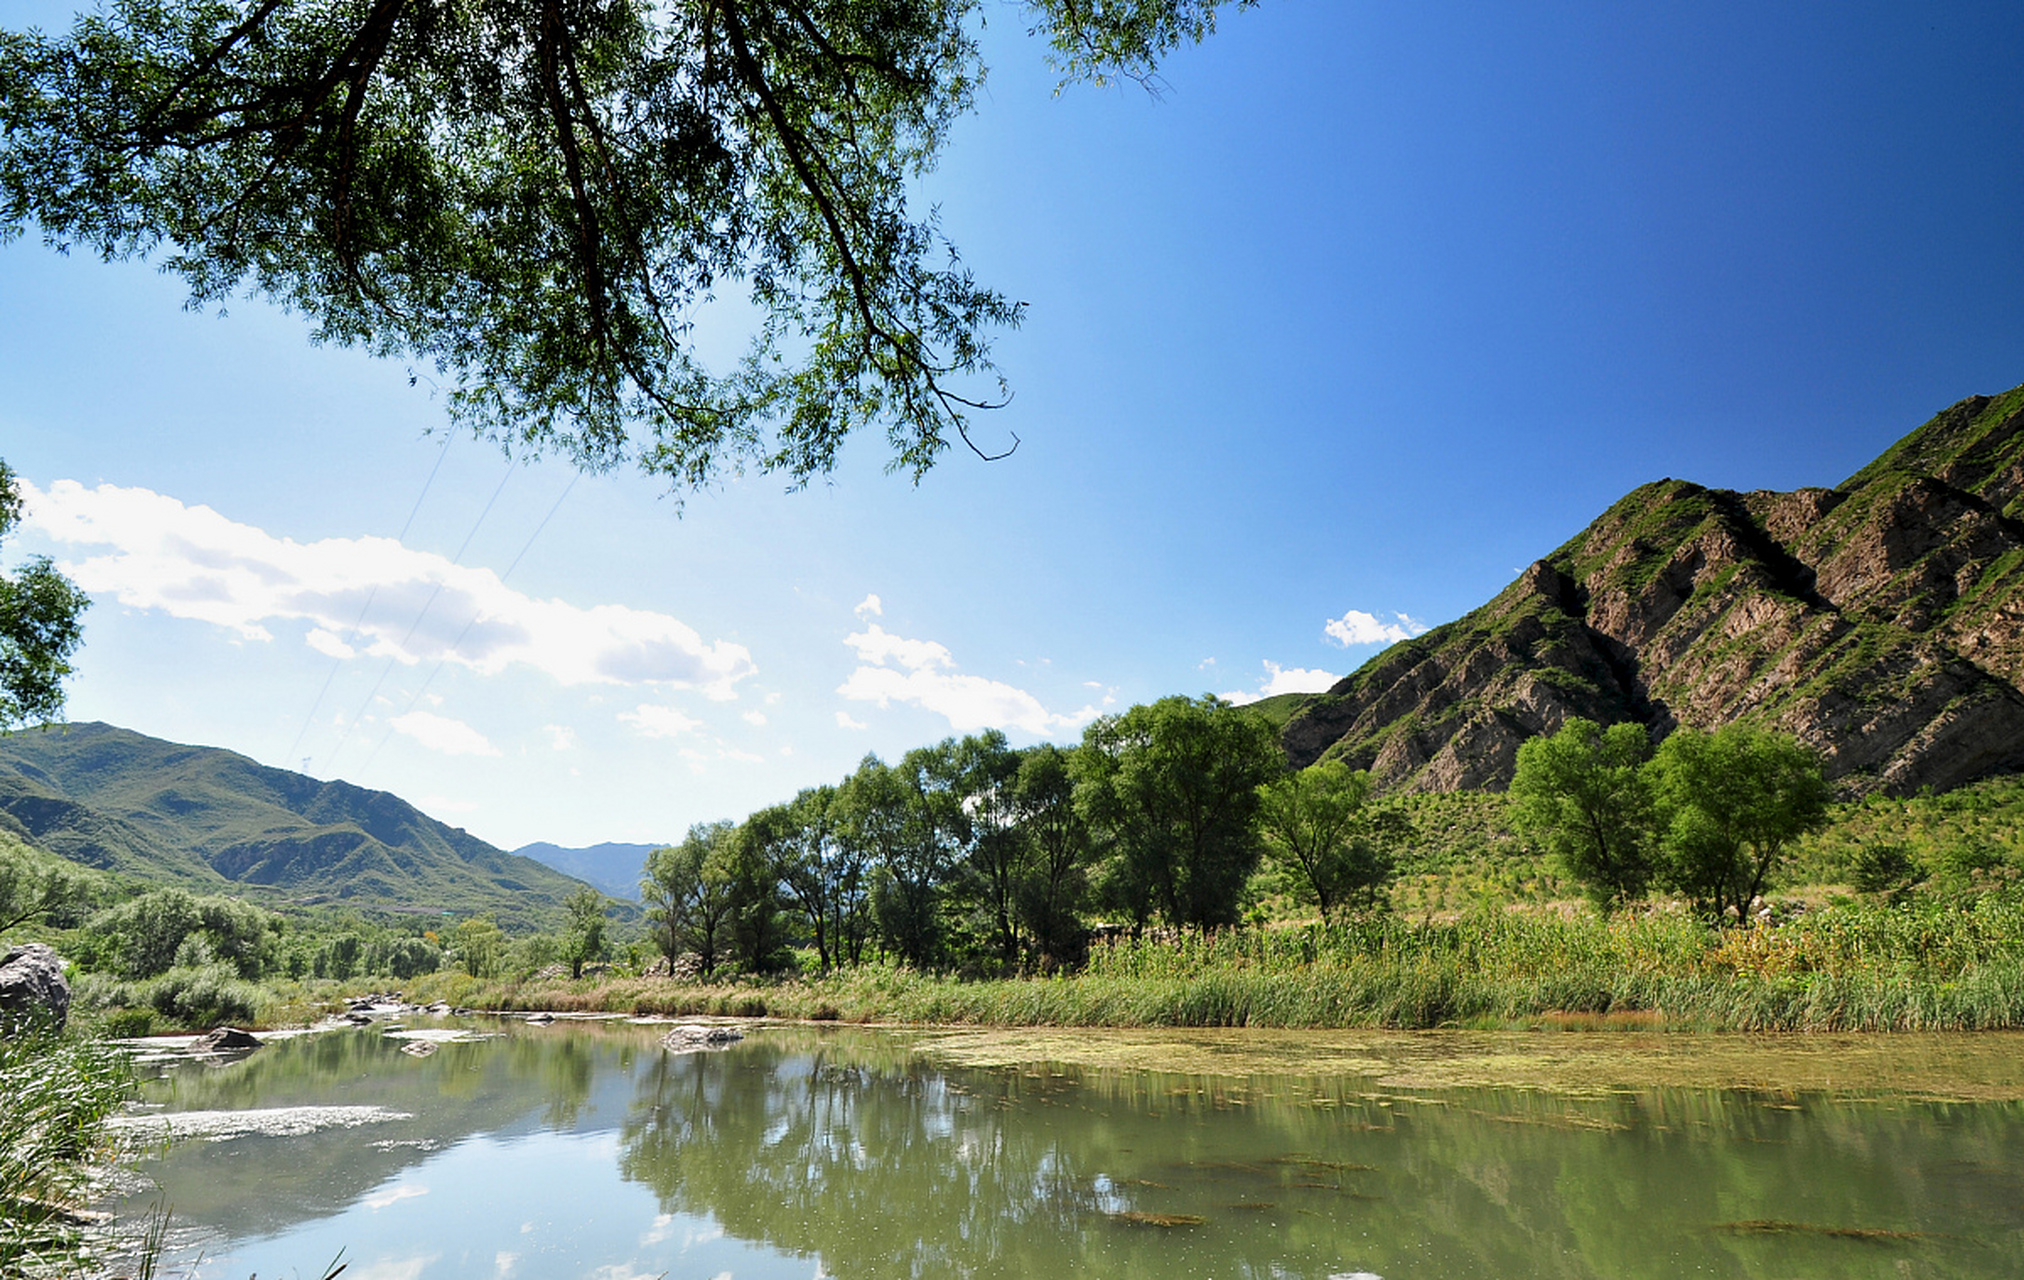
[
  {"x": 226, "y": 1040},
  {"x": 32, "y": 989},
  {"x": 695, "y": 1039}
]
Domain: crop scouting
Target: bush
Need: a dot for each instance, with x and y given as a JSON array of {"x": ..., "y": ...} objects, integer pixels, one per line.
[{"x": 203, "y": 998}]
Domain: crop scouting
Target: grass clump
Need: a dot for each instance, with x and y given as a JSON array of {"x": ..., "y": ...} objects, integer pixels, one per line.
[{"x": 59, "y": 1091}]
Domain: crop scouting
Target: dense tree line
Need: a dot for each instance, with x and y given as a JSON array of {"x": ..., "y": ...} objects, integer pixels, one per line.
[{"x": 973, "y": 855}]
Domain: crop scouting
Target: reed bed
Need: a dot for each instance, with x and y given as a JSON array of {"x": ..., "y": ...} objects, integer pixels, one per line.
[
  {"x": 1850, "y": 967},
  {"x": 58, "y": 1093}
]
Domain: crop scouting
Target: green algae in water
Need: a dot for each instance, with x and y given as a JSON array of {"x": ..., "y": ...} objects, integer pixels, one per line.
[{"x": 588, "y": 1151}]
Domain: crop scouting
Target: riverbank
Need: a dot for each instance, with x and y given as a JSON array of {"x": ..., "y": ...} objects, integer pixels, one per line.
[{"x": 1850, "y": 968}]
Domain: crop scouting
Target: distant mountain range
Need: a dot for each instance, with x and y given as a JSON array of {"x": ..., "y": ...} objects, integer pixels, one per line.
[
  {"x": 614, "y": 869},
  {"x": 1881, "y": 621},
  {"x": 214, "y": 821}
]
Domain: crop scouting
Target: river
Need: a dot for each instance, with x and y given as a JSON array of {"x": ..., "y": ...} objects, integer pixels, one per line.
[{"x": 501, "y": 1150}]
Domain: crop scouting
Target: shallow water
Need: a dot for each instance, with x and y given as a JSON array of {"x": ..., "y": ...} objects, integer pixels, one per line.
[{"x": 585, "y": 1150}]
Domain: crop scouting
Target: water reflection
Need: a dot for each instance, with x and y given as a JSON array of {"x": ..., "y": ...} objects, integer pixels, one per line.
[{"x": 582, "y": 1149}]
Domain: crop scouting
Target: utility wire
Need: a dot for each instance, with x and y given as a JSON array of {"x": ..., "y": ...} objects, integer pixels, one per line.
[
  {"x": 359, "y": 621},
  {"x": 458, "y": 642},
  {"x": 426, "y": 606}
]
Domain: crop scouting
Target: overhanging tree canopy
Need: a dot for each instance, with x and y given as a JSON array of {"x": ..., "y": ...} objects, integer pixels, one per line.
[{"x": 534, "y": 196}]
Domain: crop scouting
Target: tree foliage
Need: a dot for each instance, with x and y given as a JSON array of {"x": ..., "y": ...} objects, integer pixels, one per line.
[
  {"x": 534, "y": 196},
  {"x": 1170, "y": 789},
  {"x": 1730, "y": 803},
  {"x": 688, "y": 894},
  {"x": 1584, "y": 795},
  {"x": 39, "y": 628},
  {"x": 1321, "y": 825},
  {"x": 585, "y": 939}
]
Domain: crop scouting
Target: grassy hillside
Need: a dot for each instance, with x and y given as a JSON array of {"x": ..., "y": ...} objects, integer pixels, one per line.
[{"x": 213, "y": 820}]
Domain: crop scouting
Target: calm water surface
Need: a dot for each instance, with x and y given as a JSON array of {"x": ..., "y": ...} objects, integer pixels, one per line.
[{"x": 585, "y": 1150}]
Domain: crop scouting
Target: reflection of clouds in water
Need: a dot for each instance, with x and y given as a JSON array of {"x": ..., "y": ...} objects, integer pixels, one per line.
[
  {"x": 663, "y": 1222},
  {"x": 503, "y": 1263},
  {"x": 692, "y": 1238},
  {"x": 392, "y": 1268},
  {"x": 1354, "y": 1275},
  {"x": 394, "y": 1195},
  {"x": 627, "y": 1271}
]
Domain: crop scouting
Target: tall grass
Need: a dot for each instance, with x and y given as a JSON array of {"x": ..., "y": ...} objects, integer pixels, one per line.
[
  {"x": 55, "y": 1096},
  {"x": 1852, "y": 966}
]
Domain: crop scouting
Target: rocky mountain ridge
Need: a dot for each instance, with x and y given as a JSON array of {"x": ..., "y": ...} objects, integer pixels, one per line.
[{"x": 1881, "y": 621}]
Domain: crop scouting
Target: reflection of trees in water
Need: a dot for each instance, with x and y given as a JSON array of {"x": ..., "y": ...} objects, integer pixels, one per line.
[
  {"x": 885, "y": 1166},
  {"x": 880, "y": 1164}
]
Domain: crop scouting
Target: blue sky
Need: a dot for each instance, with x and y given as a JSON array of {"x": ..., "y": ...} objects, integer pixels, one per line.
[{"x": 1377, "y": 304}]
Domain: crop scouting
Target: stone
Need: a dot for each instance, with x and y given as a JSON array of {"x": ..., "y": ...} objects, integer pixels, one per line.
[
  {"x": 700, "y": 1039},
  {"x": 226, "y": 1040},
  {"x": 33, "y": 991}
]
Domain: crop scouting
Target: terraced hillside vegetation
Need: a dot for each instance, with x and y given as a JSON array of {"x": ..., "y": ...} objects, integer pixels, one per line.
[
  {"x": 1880, "y": 621},
  {"x": 210, "y": 821}
]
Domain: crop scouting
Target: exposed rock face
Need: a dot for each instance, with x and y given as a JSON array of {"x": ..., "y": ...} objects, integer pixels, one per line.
[
  {"x": 1882, "y": 621},
  {"x": 32, "y": 989}
]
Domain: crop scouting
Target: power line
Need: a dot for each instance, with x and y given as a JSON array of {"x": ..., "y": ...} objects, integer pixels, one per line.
[
  {"x": 455, "y": 644},
  {"x": 426, "y": 606},
  {"x": 358, "y": 622}
]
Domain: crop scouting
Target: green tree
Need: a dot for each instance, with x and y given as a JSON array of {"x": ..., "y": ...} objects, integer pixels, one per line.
[
  {"x": 756, "y": 859},
  {"x": 1055, "y": 886},
  {"x": 1731, "y": 802},
  {"x": 534, "y": 196},
  {"x": 827, "y": 875},
  {"x": 997, "y": 855},
  {"x": 480, "y": 945},
  {"x": 1583, "y": 794},
  {"x": 1321, "y": 826},
  {"x": 585, "y": 940},
  {"x": 1171, "y": 789},
  {"x": 42, "y": 887},
  {"x": 909, "y": 818},
  {"x": 687, "y": 890},
  {"x": 39, "y": 627}
]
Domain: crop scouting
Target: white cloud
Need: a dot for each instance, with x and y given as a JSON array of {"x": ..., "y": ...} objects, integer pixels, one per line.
[
  {"x": 1280, "y": 680},
  {"x": 328, "y": 644},
  {"x": 393, "y": 1268},
  {"x": 757, "y": 719},
  {"x": 870, "y": 607},
  {"x": 878, "y": 646},
  {"x": 656, "y": 721},
  {"x": 843, "y": 721},
  {"x": 441, "y": 733},
  {"x": 433, "y": 805},
  {"x": 560, "y": 736},
  {"x": 922, "y": 672},
  {"x": 394, "y": 1195},
  {"x": 1358, "y": 627},
  {"x": 191, "y": 562}
]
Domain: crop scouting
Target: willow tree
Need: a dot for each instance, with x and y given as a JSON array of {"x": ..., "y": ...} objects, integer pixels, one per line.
[
  {"x": 39, "y": 628},
  {"x": 535, "y": 196}
]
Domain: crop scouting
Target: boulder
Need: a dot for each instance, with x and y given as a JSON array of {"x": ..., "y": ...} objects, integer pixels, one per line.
[
  {"x": 226, "y": 1040},
  {"x": 32, "y": 989},
  {"x": 699, "y": 1039}
]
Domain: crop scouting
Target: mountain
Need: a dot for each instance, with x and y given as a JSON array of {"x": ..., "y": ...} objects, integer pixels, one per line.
[
  {"x": 614, "y": 869},
  {"x": 1881, "y": 621},
  {"x": 213, "y": 820}
]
